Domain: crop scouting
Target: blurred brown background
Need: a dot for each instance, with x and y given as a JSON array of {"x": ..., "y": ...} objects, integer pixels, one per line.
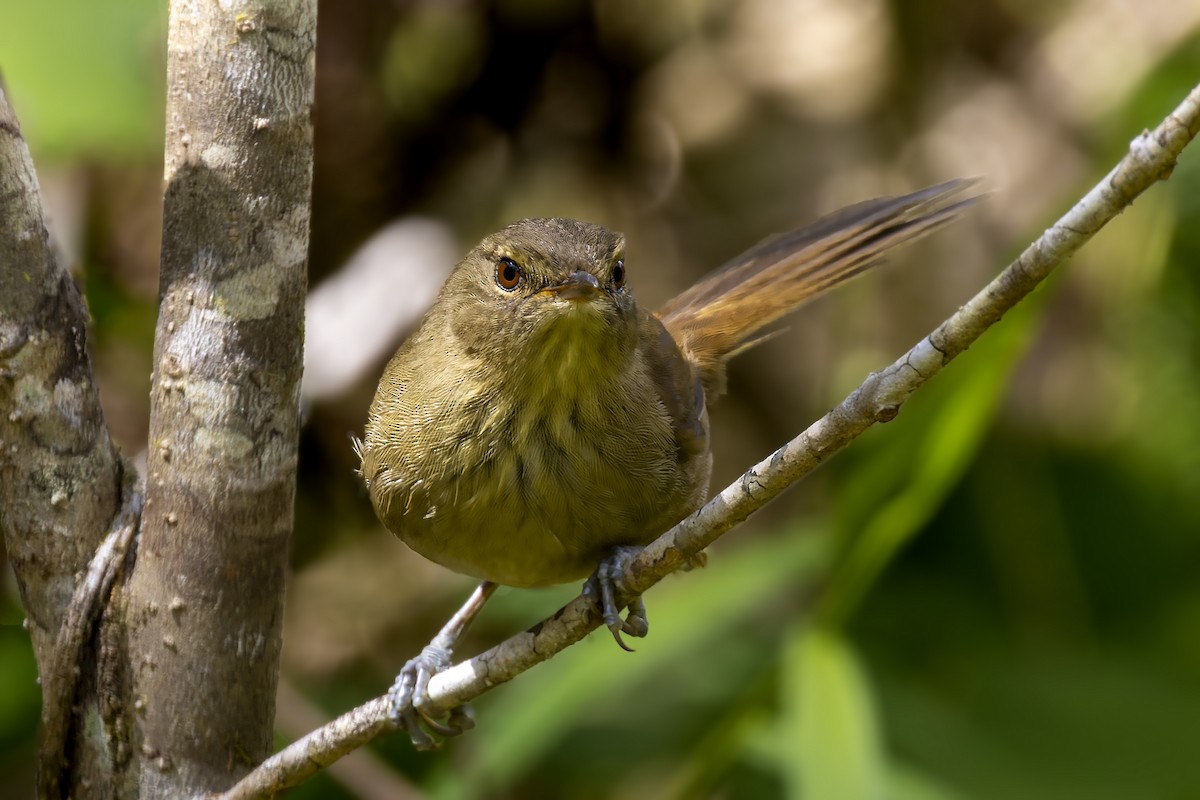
[{"x": 993, "y": 596}]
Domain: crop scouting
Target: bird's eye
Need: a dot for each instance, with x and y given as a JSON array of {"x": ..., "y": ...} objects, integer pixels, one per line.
[
  {"x": 618, "y": 274},
  {"x": 508, "y": 274}
]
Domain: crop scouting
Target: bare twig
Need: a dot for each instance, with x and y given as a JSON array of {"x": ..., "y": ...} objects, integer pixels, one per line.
[
  {"x": 1151, "y": 158},
  {"x": 60, "y": 683},
  {"x": 302, "y": 758},
  {"x": 363, "y": 773}
]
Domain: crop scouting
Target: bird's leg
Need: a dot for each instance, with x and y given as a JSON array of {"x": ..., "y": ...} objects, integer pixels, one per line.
[
  {"x": 409, "y": 692},
  {"x": 605, "y": 586}
]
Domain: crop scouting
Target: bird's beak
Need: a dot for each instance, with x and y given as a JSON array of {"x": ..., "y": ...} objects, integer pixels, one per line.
[{"x": 579, "y": 285}]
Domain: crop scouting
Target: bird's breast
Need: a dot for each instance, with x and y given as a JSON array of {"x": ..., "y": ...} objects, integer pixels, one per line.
[{"x": 528, "y": 477}]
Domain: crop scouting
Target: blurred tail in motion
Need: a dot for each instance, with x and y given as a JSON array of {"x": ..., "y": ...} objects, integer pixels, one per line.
[{"x": 724, "y": 313}]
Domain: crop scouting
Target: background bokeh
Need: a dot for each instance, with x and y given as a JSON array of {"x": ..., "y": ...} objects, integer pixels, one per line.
[{"x": 993, "y": 596}]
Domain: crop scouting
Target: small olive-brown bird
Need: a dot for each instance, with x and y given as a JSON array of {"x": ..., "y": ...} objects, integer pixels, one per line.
[{"x": 540, "y": 421}]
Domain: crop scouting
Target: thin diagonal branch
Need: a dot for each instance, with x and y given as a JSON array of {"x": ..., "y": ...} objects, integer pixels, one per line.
[{"x": 1151, "y": 158}]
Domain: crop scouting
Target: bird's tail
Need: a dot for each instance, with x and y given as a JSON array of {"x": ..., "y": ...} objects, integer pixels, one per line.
[{"x": 726, "y": 311}]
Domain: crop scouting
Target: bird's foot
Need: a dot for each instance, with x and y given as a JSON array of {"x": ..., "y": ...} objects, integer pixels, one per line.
[
  {"x": 606, "y": 585},
  {"x": 410, "y": 692}
]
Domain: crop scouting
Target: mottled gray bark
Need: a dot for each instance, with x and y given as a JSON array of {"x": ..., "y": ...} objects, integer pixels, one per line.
[
  {"x": 60, "y": 476},
  {"x": 204, "y": 605}
]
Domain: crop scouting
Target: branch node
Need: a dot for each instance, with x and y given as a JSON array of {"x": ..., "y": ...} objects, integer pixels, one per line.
[{"x": 887, "y": 412}]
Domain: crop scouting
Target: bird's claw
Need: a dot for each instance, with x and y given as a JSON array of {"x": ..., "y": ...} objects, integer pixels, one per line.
[
  {"x": 409, "y": 693},
  {"x": 604, "y": 586}
]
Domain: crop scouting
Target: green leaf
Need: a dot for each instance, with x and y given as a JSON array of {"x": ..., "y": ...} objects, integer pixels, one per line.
[
  {"x": 907, "y": 782},
  {"x": 831, "y": 737}
]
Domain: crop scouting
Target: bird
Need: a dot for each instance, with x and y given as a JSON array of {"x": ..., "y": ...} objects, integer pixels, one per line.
[{"x": 540, "y": 426}]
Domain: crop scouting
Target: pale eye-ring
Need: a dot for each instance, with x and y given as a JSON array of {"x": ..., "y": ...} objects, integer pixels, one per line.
[{"x": 508, "y": 274}]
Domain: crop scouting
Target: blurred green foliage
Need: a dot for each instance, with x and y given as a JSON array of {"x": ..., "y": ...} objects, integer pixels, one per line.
[
  {"x": 86, "y": 77},
  {"x": 20, "y": 703},
  {"x": 993, "y": 596}
]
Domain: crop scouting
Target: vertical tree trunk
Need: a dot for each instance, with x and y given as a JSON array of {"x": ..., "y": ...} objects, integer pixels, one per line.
[{"x": 204, "y": 605}]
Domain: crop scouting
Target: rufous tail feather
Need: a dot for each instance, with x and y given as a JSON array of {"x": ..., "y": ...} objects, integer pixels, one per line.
[{"x": 725, "y": 312}]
